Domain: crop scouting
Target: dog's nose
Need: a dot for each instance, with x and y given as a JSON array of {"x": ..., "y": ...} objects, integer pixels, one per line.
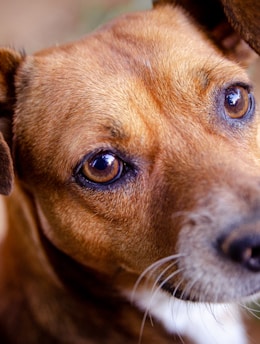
[{"x": 244, "y": 249}]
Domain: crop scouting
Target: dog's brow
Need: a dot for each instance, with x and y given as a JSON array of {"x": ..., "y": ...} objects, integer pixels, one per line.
[
  {"x": 115, "y": 130},
  {"x": 203, "y": 77}
]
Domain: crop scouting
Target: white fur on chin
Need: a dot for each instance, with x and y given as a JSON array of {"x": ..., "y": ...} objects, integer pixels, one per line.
[{"x": 202, "y": 323}]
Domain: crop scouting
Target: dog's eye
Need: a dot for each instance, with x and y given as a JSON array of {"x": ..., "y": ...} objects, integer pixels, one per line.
[
  {"x": 238, "y": 102},
  {"x": 102, "y": 168}
]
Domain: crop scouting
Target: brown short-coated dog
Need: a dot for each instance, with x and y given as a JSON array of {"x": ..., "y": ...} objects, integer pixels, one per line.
[{"x": 131, "y": 162}]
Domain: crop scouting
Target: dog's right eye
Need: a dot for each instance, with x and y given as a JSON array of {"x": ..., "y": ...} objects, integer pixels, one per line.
[{"x": 100, "y": 168}]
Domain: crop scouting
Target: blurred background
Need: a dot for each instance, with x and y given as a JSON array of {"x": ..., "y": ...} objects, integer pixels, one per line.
[
  {"x": 32, "y": 25},
  {"x": 35, "y": 24}
]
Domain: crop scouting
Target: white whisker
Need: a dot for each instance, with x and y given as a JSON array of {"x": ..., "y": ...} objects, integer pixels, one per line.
[
  {"x": 152, "y": 298},
  {"x": 151, "y": 268},
  {"x": 171, "y": 261},
  {"x": 251, "y": 310}
]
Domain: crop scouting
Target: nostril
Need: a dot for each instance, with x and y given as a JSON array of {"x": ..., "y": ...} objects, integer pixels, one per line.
[
  {"x": 244, "y": 250},
  {"x": 255, "y": 257}
]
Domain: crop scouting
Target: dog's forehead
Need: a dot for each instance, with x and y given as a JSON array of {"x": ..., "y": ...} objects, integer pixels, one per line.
[
  {"x": 160, "y": 46},
  {"x": 135, "y": 59}
]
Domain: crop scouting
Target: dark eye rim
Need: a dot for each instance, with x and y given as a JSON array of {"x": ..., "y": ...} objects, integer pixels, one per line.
[
  {"x": 128, "y": 171},
  {"x": 251, "y": 108}
]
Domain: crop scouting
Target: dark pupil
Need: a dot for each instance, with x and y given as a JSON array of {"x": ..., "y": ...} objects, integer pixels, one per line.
[{"x": 102, "y": 162}]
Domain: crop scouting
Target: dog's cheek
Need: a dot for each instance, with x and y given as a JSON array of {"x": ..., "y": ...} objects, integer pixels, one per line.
[
  {"x": 75, "y": 232},
  {"x": 104, "y": 234}
]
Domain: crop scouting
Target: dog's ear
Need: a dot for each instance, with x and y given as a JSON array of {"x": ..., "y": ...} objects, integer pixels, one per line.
[
  {"x": 6, "y": 168},
  {"x": 9, "y": 63},
  {"x": 233, "y": 25},
  {"x": 244, "y": 17}
]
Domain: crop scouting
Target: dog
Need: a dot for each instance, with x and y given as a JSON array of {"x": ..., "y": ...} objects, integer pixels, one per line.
[{"x": 130, "y": 169}]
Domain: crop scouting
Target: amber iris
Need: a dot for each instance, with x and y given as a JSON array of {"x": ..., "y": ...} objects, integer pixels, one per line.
[
  {"x": 102, "y": 168},
  {"x": 237, "y": 102}
]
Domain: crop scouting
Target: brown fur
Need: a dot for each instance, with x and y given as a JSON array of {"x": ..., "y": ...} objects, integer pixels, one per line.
[{"x": 145, "y": 86}]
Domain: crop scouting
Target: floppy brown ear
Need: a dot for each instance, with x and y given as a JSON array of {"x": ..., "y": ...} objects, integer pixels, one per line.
[
  {"x": 9, "y": 62},
  {"x": 6, "y": 168},
  {"x": 233, "y": 25},
  {"x": 244, "y": 16}
]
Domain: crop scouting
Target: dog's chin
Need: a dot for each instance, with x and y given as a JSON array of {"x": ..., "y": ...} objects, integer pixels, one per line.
[{"x": 178, "y": 293}]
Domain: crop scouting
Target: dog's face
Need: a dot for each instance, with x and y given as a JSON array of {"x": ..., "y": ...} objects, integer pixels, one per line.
[{"x": 139, "y": 143}]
